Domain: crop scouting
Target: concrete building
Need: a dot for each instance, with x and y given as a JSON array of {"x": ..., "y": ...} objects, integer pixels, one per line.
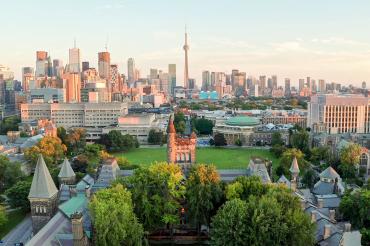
[
  {"x": 172, "y": 77},
  {"x": 95, "y": 92},
  {"x": 74, "y": 60},
  {"x": 69, "y": 115},
  {"x": 41, "y": 63},
  {"x": 72, "y": 85},
  {"x": 104, "y": 65},
  {"x": 285, "y": 117},
  {"x": 45, "y": 95},
  {"x": 340, "y": 113},
  {"x": 131, "y": 70}
]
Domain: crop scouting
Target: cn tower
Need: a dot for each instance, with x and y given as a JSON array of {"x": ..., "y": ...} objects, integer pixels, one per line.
[{"x": 186, "y": 69}]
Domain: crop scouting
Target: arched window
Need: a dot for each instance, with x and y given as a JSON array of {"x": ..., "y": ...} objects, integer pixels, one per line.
[{"x": 364, "y": 159}]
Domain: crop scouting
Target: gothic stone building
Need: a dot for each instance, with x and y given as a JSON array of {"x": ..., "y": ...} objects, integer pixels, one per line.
[{"x": 180, "y": 150}]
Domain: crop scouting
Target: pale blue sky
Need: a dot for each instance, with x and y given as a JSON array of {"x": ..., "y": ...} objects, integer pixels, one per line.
[{"x": 327, "y": 39}]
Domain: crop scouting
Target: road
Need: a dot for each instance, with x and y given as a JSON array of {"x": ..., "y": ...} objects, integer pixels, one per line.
[{"x": 21, "y": 233}]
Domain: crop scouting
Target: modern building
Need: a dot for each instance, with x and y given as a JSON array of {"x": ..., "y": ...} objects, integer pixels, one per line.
[
  {"x": 322, "y": 86},
  {"x": 104, "y": 65},
  {"x": 41, "y": 63},
  {"x": 172, "y": 77},
  {"x": 131, "y": 70},
  {"x": 285, "y": 117},
  {"x": 95, "y": 92},
  {"x": 74, "y": 60},
  {"x": 287, "y": 87},
  {"x": 69, "y": 115},
  {"x": 72, "y": 85},
  {"x": 45, "y": 95},
  {"x": 339, "y": 113},
  {"x": 206, "y": 81},
  {"x": 85, "y": 66}
]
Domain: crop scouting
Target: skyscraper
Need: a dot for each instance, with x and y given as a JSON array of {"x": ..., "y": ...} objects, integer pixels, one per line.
[
  {"x": 153, "y": 73},
  {"x": 287, "y": 87},
  {"x": 206, "y": 81},
  {"x": 322, "y": 86},
  {"x": 41, "y": 63},
  {"x": 85, "y": 66},
  {"x": 74, "y": 60},
  {"x": 27, "y": 76},
  {"x": 301, "y": 84},
  {"x": 172, "y": 77},
  {"x": 104, "y": 65},
  {"x": 274, "y": 81},
  {"x": 186, "y": 68},
  {"x": 131, "y": 70},
  {"x": 73, "y": 87}
]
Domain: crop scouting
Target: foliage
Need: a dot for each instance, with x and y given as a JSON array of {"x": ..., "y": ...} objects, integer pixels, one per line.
[
  {"x": 238, "y": 142},
  {"x": 288, "y": 156},
  {"x": 9, "y": 124},
  {"x": 220, "y": 140},
  {"x": 50, "y": 147},
  {"x": 157, "y": 191},
  {"x": 278, "y": 150},
  {"x": 113, "y": 218},
  {"x": 76, "y": 140},
  {"x": 179, "y": 122},
  {"x": 320, "y": 154},
  {"x": 355, "y": 206},
  {"x": 350, "y": 154},
  {"x": 262, "y": 215},
  {"x": 156, "y": 137},
  {"x": 3, "y": 217},
  {"x": 10, "y": 173},
  {"x": 229, "y": 225},
  {"x": 203, "y": 193},
  {"x": 62, "y": 134},
  {"x": 309, "y": 178},
  {"x": 18, "y": 195},
  {"x": 276, "y": 139},
  {"x": 202, "y": 125},
  {"x": 300, "y": 140},
  {"x": 124, "y": 164},
  {"x": 115, "y": 141}
]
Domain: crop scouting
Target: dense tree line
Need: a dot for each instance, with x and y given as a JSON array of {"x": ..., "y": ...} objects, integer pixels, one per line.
[
  {"x": 9, "y": 124},
  {"x": 115, "y": 141}
]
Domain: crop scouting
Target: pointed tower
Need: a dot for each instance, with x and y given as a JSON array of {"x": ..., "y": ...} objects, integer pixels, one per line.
[
  {"x": 66, "y": 175},
  {"x": 294, "y": 170},
  {"x": 171, "y": 142},
  {"x": 43, "y": 196}
]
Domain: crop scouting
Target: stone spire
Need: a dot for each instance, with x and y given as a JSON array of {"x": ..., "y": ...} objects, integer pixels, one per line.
[
  {"x": 171, "y": 126},
  {"x": 294, "y": 168},
  {"x": 66, "y": 174},
  {"x": 42, "y": 184}
]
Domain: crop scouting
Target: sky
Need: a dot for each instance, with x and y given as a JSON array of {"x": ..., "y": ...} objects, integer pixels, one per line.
[{"x": 323, "y": 39}]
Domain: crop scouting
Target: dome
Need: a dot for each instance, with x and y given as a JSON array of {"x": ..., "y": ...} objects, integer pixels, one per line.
[{"x": 243, "y": 121}]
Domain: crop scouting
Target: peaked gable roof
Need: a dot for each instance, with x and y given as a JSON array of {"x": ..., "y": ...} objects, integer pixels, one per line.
[
  {"x": 329, "y": 173},
  {"x": 42, "y": 184},
  {"x": 66, "y": 170}
]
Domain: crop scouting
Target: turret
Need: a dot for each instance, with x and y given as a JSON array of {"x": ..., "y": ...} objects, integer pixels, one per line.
[
  {"x": 66, "y": 174},
  {"x": 294, "y": 170},
  {"x": 171, "y": 142}
]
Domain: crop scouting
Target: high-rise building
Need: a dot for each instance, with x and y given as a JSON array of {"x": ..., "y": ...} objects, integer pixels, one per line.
[
  {"x": 186, "y": 67},
  {"x": 339, "y": 113},
  {"x": 27, "y": 76},
  {"x": 85, "y": 66},
  {"x": 322, "y": 86},
  {"x": 115, "y": 78},
  {"x": 41, "y": 63},
  {"x": 72, "y": 83},
  {"x": 262, "y": 83},
  {"x": 131, "y": 70},
  {"x": 287, "y": 87},
  {"x": 308, "y": 83},
  {"x": 206, "y": 81},
  {"x": 153, "y": 73},
  {"x": 274, "y": 81},
  {"x": 301, "y": 84},
  {"x": 104, "y": 65},
  {"x": 74, "y": 60},
  {"x": 172, "y": 77},
  {"x": 363, "y": 85},
  {"x": 192, "y": 83},
  {"x": 57, "y": 65}
]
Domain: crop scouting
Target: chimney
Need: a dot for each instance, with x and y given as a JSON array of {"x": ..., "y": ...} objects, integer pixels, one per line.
[
  {"x": 87, "y": 191},
  {"x": 77, "y": 228},
  {"x": 327, "y": 231},
  {"x": 303, "y": 204},
  {"x": 347, "y": 227},
  {"x": 332, "y": 214},
  {"x": 313, "y": 216},
  {"x": 320, "y": 203}
]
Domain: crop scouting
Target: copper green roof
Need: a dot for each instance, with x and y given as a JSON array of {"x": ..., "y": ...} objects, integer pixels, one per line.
[
  {"x": 242, "y": 121},
  {"x": 75, "y": 204}
]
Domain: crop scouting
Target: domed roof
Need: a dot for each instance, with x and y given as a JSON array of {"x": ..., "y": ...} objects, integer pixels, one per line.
[{"x": 243, "y": 121}]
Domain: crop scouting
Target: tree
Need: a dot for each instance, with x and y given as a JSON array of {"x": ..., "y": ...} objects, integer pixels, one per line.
[
  {"x": 309, "y": 178},
  {"x": 220, "y": 140},
  {"x": 157, "y": 191},
  {"x": 203, "y": 193},
  {"x": 179, "y": 122},
  {"x": 113, "y": 218},
  {"x": 10, "y": 173},
  {"x": 76, "y": 140},
  {"x": 3, "y": 217},
  {"x": 229, "y": 225},
  {"x": 355, "y": 207},
  {"x": 349, "y": 158},
  {"x": 62, "y": 134},
  {"x": 115, "y": 141},
  {"x": 244, "y": 187},
  {"x": 155, "y": 137},
  {"x": 300, "y": 140},
  {"x": 202, "y": 125},
  {"x": 288, "y": 156},
  {"x": 50, "y": 147},
  {"x": 238, "y": 142},
  {"x": 9, "y": 124},
  {"x": 276, "y": 139},
  {"x": 18, "y": 195},
  {"x": 320, "y": 154}
]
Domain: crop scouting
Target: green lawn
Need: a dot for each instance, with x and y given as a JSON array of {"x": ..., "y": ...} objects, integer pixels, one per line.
[
  {"x": 222, "y": 158},
  {"x": 14, "y": 218}
]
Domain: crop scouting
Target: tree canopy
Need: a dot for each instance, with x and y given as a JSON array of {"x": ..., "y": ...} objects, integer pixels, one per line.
[
  {"x": 10, "y": 173},
  {"x": 202, "y": 125},
  {"x": 18, "y": 195},
  {"x": 3, "y": 216},
  {"x": 179, "y": 122},
  {"x": 115, "y": 141},
  {"x": 219, "y": 139},
  {"x": 113, "y": 218}
]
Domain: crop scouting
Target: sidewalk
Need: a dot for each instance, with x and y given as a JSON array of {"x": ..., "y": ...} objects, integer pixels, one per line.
[{"x": 21, "y": 233}]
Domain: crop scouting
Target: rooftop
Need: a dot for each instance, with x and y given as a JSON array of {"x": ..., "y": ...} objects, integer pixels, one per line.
[{"x": 243, "y": 121}]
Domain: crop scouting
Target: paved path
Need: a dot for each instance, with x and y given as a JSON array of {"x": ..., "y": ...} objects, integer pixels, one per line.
[{"x": 21, "y": 233}]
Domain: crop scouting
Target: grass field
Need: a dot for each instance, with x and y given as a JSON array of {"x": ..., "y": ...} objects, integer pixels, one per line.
[
  {"x": 222, "y": 158},
  {"x": 14, "y": 218}
]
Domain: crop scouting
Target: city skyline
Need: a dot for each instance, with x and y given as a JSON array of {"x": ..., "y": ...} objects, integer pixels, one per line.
[{"x": 329, "y": 42}]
